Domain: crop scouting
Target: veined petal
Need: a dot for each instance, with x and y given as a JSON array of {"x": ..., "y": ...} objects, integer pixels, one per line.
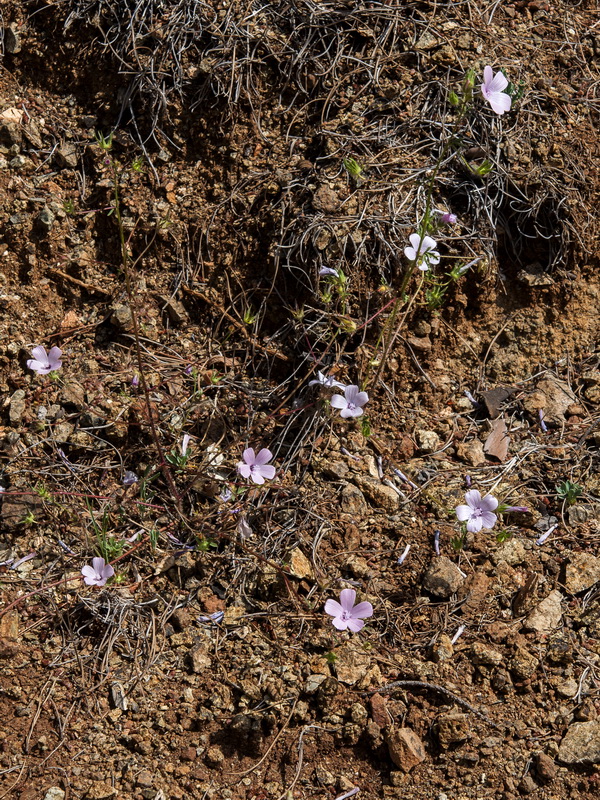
[
  {"x": 355, "y": 624},
  {"x": 463, "y": 513},
  {"x": 488, "y": 76},
  {"x": 249, "y": 456},
  {"x": 364, "y": 609},
  {"x": 263, "y": 457},
  {"x": 243, "y": 469},
  {"x": 39, "y": 354},
  {"x": 337, "y": 401},
  {"x": 488, "y": 520},
  {"x": 351, "y": 393},
  {"x": 340, "y": 624},
  {"x": 410, "y": 253},
  {"x": 361, "y": 399},
  {"x": 473, "y": 498},
  {"x": 488, "y": 503},
  {"x": 268, "y": 471},
  {"x": 98, "y": 564},
  {"x": 415, "y": 241},
  {"x": 428, "y": 244},
  {"x": 500, "y": 102},
  {"x": 347, "y": 598},
  {"x": 256, "y": 476},
  {"x": 498, "y": 84},
  {"x": 475, "y": 524},
  {"x": 334, "y": 608}
]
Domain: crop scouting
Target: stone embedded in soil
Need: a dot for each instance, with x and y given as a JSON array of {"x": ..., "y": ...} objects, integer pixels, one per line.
[
  {"x": 512, "y": 551},
  {"x": 581, "y": 744},
  {"x": 300, "y": 566},
  {"x": 443, "y": 578},
  {"x": 442, "y": 650},
  {"x": 17, "y": 406},
  {"x": 471, "y": 452},
  {"x": 405, "y": 748},
  {"x": 565, "y": 687},
  {"x": 545, "y": 768},
  {"x": 100, "y": 791},
  {"x": 325, "y": 199},
  {"x": 352, "y": 663},
  {"x": 484, "y": 655},
  {"x": 378, "y": 493},
  {"x": 523, "y": 664},
  {"x": 379, "y": 713},
  {"x": 55, "y": 793},
  {"x": 582, "y": 571},
  {"x": 546, "y": 616},
  {"x": 553, "y": 397},
  {"x": 427, "y": 441},
  {"x": 452, "y": 728},
  {"x": 199, "y": 659},
  {"x": 353, "y": 502}
]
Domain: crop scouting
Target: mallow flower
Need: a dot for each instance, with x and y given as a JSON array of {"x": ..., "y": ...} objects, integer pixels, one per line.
[
  {"x": 98, "y": 573},
  {"x": 423, "y": 251},
  {"x": 492, "y": 90},
  {"x": 43, "y": 362},
  {"x": 351, "y": 403},
  {"x": 256, "y": 466},
  {"x": 347, "y": 615},
  {"x": 478, "y": 511}
]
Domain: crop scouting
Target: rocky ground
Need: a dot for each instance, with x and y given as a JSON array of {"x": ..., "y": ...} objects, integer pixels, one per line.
[{"x": 207, "y": 667}]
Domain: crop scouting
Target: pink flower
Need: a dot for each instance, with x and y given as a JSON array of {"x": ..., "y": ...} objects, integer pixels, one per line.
[
  {"x": 491, "y": 89},
  {"x": 43, "y": 362},
  {"x": 477, "y": 513},
  {"x": 423, "y": 251},
  {"x": 347, "y": 615},
  {"x": 256, "y": 466},
  {"x": 98, "y": 573},
  {"x": 351, "y": 403}
]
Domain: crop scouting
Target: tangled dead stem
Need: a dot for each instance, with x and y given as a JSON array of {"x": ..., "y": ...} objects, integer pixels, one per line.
[{"x": 257, "y": 143}]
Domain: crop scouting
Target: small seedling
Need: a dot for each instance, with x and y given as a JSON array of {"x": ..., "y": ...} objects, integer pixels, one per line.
[
  {"x": 249, "y": 316},
  {"x": 569, "y": 492},
  {"x": 503, "y": 536},
  {"x": 331, "y": 658}
]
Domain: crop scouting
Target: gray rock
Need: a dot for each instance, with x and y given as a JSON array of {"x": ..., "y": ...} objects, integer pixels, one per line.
[
  {"x": 352, "y": 664},
  {"x": 313, "y": 682},
  {"x": 10, "y": 135},
  {"x": 428, "y": 441},
  {"x": 378, "y": 493},
  {"x": 581, "y": 744},
  {"x": 471, "y": 452},
  {"x": 547, "y": 615},
  {"x": 523, "y": 664},
  {"x": 199, "y": 659},
  {"x": 443, "y": 578},
  {"x": 405, "y": 748},
  {"x": 45, "y": 220},
  {"x": 512, "y": 552},
  {"x": 484, "y": 655},
  {"x": 552, "y": 396},
  {"x": 583, "y": 571},
  {"x": 54, "y": 793},
  {"x": 17, "y": 407},
  {"x": 66, "y": 156},
  {"x": 353, "y": 501},
  {"x": 121, "y": 317},
  {"x": 12, "y": 45}
]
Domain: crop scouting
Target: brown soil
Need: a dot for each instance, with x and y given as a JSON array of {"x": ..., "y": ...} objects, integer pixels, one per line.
[{"x": 230, "y": 129}]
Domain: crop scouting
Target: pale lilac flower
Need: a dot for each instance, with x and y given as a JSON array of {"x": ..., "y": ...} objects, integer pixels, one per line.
[
  {"x": 43, "y": 362},
  {"x": 329, "y": 271},
  {"x": 135, "y": 381},
  {"x": 129, "y": 478},
  {"x": 541, "y": 539},
  {"x": 543, "y": 425},
  {"x": 436, "y": 542},
  {"x": 98, "y": 573},
  {"x": 477, "y": 513},
  {"x": 492, "y": 90},
  {"x": 256, "y": 466},
  {"x": 423, "y": 251},
  {"x": 351, "y": 403},
  {"x": 327, "y": 381},
  {"x": 518, "y": 509},
  {"x": 447, "y": 218},
  {"x": 348, "y": 794},
  {"x": 347, "y": 615},
  {"x": 184, "y": 443}
]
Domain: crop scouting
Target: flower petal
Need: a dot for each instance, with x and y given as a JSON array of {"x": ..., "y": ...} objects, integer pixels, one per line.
[
  {"x": 475, "y": 524},
  {"x": 361, "y": 398},
  {"x": 243, "y": 469},
  {"x": 351, "y": 393},
  {"x": 256, "y": 476},
  {"x": 410, "y": 253},
  {"x": 268, "y": 471},
  {"x": 488, "y": 520},
  {"x": 498, "y": 84},
  {"x": 263, "y": 457},
  {"x": 39, "y": 354},
  {"x": 89, "y": 574},
  {"x": 428, "y": 244},
  {"x": 334, "y": 608},
  {"x": 108, "y": 572},
  {"x": 364, "y": 609},
  {"x": 463, "y": 513},
  {"x": 488, "y": 76},
  {"x": 473, "y": 498},
  {"x": 340, "y": 624},
  {"x": 249, "y": 456},
  {"x": 488, "y": 503},
  {"x": 355, "y": 624},
  {"x": 337, "y": 401},
  {"x": 98, "y": 564},
  {"x": 347, "y": 598},
  {"x": 415, "y": 240}
]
